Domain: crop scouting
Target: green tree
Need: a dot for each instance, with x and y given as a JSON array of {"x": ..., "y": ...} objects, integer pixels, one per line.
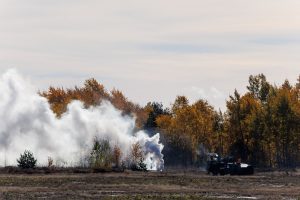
[
  {"x": 154, "y": 109},
  {"x": 259, "y": 87},
  {"x": 26, "y": 160}
]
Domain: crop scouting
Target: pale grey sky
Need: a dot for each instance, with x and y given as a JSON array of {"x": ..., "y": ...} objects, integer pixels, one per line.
[{"x": 152, "y": 50}]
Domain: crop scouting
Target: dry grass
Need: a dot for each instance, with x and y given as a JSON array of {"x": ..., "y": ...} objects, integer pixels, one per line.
[{"x": 140, "y": 185}]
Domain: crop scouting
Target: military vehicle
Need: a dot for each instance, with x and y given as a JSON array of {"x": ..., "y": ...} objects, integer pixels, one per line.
[{"x": 228, "y": 165}]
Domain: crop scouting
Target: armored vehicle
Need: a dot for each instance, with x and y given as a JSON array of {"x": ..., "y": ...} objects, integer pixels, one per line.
[{"x": 228, "y": 165}]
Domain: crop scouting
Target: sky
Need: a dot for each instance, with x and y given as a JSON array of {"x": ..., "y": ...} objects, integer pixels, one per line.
[{"x": 152, "y": 50}]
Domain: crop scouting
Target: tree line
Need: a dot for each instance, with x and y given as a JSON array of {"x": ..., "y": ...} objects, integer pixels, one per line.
[
  {"x": 103, "y": 157},
  {"x": 261, "y": 127}
]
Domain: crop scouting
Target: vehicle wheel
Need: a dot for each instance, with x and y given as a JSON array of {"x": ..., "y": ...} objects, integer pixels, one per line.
[
  {"x": 222, "y": 172},
  {"x": 250, "y": 170}
]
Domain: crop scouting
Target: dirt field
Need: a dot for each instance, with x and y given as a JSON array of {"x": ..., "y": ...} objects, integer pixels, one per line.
[{"x": 140, "y": 185}]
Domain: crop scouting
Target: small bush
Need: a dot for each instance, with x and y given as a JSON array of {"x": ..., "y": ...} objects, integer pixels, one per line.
[
  {"x": 26, "y": 160},
  {"x": 117, "y": 154},
  {"x": 50, "y": 162},
  {"x": 137, "y": 158},
  {"x": 140, "y": 166},
  {"x": 101, "y": 155}
]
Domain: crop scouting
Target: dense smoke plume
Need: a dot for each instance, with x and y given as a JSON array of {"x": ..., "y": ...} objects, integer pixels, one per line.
[{"x": 27, "y": 122}]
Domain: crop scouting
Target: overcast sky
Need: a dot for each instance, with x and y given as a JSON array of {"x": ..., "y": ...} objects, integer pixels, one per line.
[{"x": 152, "y": 50}]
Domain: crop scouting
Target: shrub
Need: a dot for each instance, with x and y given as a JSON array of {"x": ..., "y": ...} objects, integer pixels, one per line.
[
  {"x": 26, "y": 160},
  {"x": 137, "y": 157},
  {"x": 50, "y": 162},
  {"x": 139, "y": 166},
  {"x": 117, "y": 153},
  {"x": 101, "y": 155}
]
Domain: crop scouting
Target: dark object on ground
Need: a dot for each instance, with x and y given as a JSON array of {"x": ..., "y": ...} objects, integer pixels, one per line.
[
  {"x": 118, "y": 169},
  {"x": 102, "y": 170},
  {"x": 217, "y": 165},
  {"x": 137, "y": 168},
  {"x": 141, "y": 166},
  {"x": 82, "y": 170}
]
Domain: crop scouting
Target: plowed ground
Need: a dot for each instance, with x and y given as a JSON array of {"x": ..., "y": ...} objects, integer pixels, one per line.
[{"x": 150, "y": 185}]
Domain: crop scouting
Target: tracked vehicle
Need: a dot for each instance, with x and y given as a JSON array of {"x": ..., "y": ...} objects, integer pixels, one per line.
[{"x": 228, "y": 165}]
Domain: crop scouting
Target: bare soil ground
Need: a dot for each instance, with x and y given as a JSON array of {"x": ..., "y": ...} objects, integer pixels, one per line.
[{"x": 150, "y": 185}]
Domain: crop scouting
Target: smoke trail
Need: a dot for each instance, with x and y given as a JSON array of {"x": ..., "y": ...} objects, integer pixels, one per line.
[{"x": 27, "y": 122}]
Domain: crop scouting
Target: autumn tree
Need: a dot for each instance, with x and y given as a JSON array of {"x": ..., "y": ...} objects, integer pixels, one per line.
[
  {"x": 261, "y": 126},
  {"x": 220, "y": 137},
  {"x": 284, "y": 107},
  {"x": 137, "y": 158},
  {"x": 236, "y": 113},
  {"x": 92, "y": 94},
  {"x": 58, "y": 100},
  {"x": 185, "y": 128},
  {"x": 117, "y": 154},
  {"x": 118, "y": 99}
]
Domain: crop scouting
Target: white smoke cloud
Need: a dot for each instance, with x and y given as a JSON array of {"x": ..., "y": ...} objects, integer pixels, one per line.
[
  {"x": 213, "y": 95},
  {"x": 27, "y": 122}
]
